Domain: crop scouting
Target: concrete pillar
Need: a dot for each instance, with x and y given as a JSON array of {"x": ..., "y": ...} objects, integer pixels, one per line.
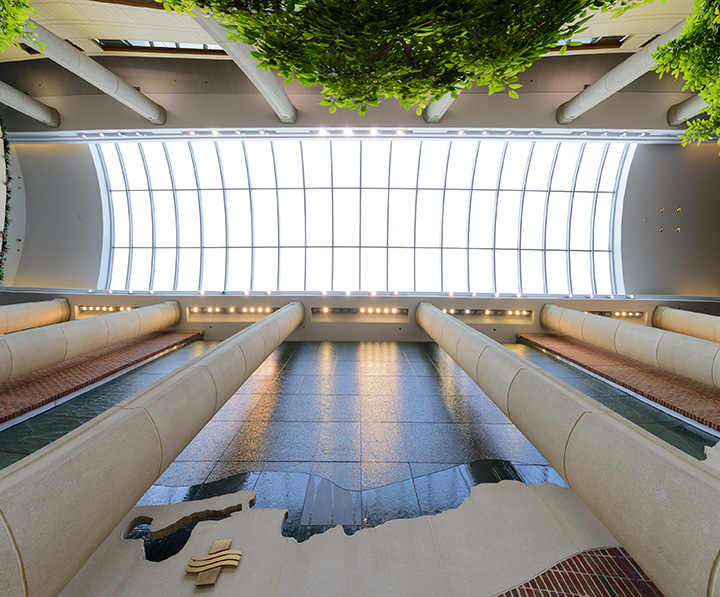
[
  {"x": 699, "y": 325},
  {"x": 267, "y": 82},
  {"x": 23, "y": 316},
  {"x": 623, "y": 74},
  {"x": 690, "y": 108},
  {"x": 660, "y": 503},
  {"x": 59, "y": 504},
  {"x": 436, "y": 110},
  {"x": 31, "y": 350},
  {"x": 29, "y": 106},
  {"x": 86, "y": 68}
]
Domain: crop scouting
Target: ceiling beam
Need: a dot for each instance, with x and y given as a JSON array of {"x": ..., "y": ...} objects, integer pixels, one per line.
[
  {"x": 690, "y": 108},
  {"x": 436, "y": 110},
  {"x": 28, "y": 105}
]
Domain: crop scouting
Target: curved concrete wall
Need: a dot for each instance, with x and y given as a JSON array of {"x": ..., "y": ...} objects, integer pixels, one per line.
[
  {"x": 658, "y": 502},
  {"x": 31, "y": 350},
  {"x": 699, "y": 325},
  {"x": 23, "y": 316},
  {"x": 691, "y": 357},
  {"x": 59, "y": 504}
]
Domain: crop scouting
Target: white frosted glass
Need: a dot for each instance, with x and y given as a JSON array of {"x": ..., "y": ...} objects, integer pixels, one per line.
[
  {"x": 346, "y": 218},
  {"x": 119, "y": 269},
  {"x": 346, "y": 163},
  {"x": 213, "y": 277},
  {"x": 489, "y": 159},
  {"x": 164, "y": 278},
  {"x": 112, "y": 166},
  {"x": 232, "y": 158},
  {"x": 581, "y": 221},
  {"x": 373, "y": 269},
  {"x": 288, "y": 163},
  {"x": 292, "y": 270},
  {"x": 346, "y": 270},
  {"x": 603, "y": 283},
  {"x": 375, "y": 163},
  {"x": 318, "y": 223},
  {"x": 121, "y": 219},
  {"x": 213, "y": 208},
  {"x": 429, "y": 218},
  {"x": 556, "y": 267},
  {"x": 461, "y": 164},
  {"x": 508, "y": 219},
  {"x": 481, "y": 271},
  {"x": 260, "y": 163},
  {"x": 515, "y": 164},
  {"x": 610, "y": 169},
  {"x": 141, "y": 218},
  {"x": 455, "y": 270},
  {"x": 188, "y": 218},
  {"x": 565, "y": 166},
  {"x": 401, "y": 270},
  {"x": 590, "y": 167},
  {"x": 316, "y": 161},
  {"x": 433, "y": 164},
  {"x": 239, "y": 219},
  {"x": 603, "y": 223},
  {"x": 189, "y": 270},
  {"x": 157, "y": 165},
  {"x": 374, "y": 212},
  {"x": 532, "y": 272},
  {"x": 239, "y": 262},
  {"x": 538, "y": 177},
  {"x": 134, "y": 166},
  {"x": 265, "y": 269},
  {"x": 557, "y": 221},
  {"x": 533, "y": 220},
  {"x": 181, "y": 164},
  {"x": 482, "y": 221},
  {"x": 506, "y": 272},
  {"x": 404, "y": 164},
  {"x": 208, "y": 167},
  {"x": 402, "y": 218},
  {"x": 427, "y": 270},
  {"x": 265, "y": 222},
  {"x": 455, "y": 219},
  {"x": 580, "y": 272},
  {"x": 292, "y": 218},
  {"x": 319, "y": 269}
]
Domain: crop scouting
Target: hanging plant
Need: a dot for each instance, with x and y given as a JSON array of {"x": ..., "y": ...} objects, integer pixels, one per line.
[
  {"x": 417, "y": 51},
  {"x": 6, "y": 183},
  {"x": 13, "y": 17}
]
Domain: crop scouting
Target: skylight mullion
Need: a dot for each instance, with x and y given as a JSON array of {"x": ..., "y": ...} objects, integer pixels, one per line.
[
  {"x": 551, "y": 172},
  {"x": 387, "y": 223},
  {"x": 442, "y": 221},
  {"x": 152, "y": 216},
  {"x": 495, "y": 214},
  {"x": 252, "y": 220},
  {"x": 227, "y": 222},
  {"x": 332, "y": 219},
  {"x": 592, "y": 219},
  {"x": 111, "y": 218},
  {"x": 277, "y": 207},
  {"x": 304, "y": 190},
  {"x": 200, "y": 223},
  {"x": 613, "y": 215},
  {"x": 177, "y": 217},
  {"x": 570, "y": 214},
  {"x": 360, "y": 207},
  {"x": 520, "y": 217},
  {"x": 469, "y": 212},
  {"x": 417, "y": 190},
  {"x": 130, "y": 218}
]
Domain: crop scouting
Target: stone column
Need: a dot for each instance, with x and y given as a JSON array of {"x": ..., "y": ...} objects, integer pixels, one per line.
[
  {"x": 23, "y": 316},
  {"x": 691, "y": 357},
  {"x": 661, "y": 504},
  {"x": 59, "y": 504},
  {"x": 699, "y": 325},
  {"x": 31, "y": 350}
]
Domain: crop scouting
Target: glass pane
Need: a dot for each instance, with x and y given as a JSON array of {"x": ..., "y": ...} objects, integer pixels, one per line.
[
  {"x": 141, "y": 219},
  {"x": 265, "y": 269},
  {"x": 374, "y": 210},
  {"x": 401, "y": 272},
  {"x": 292, "y": 219},
  {"x": 346, "y": 218},
  {"x": 455, "y": 270},
  {"x": 316, "y": 161},
  {"x": 213, "y": 269},
  {"x": 433, "y": 164},
  {"x": 488, "y": 164},
  {"x": 603, "y": 214},
  {"x": 189, "y": 219},
  {"x": 580, "y": 272},
  {"x": 427, "y": 270},
  {"x": 603, "y": 282},
  {"x": 429, "y": 218},
  {"x": 157, "y": 165},
  {"x": 183, "y": 171},
  {"x": 533, "y": 220},
  {"x": 346, "y": 164},
  {"x": 461, "y": 164},
  {"x": 112, "y": 166},
  {"x": 610, "y": 169},
  {"x": 508, "y": 219},
  {"x": 555, "y": 262},
  {"x": 375, "y": 163},
  {"x": 565, "y": 165},
  {"x": 134, "y": 166},
  {"x": 402, "y": 218},
  {"x": 213, "y": 209},
  {"x": 208, "y": 168},
  {"x": 513, "y": 170},
  {"x": 581, "y": 224},
  {"x": 404, "y": 164},
  {"x": 260, "y": 164},
  {"x": 189, "y": 270},
  {"x": 532, "y": 272},
  {"x": 590, "y": 166},
  {"x": 121, "y": 220},
  {"x": 482, "y": 223},
  {"x": 557, "y": 221},
  {"x": 346, "y": 270},
  {"x": 164, "y": 203},
  {"x": 239, "y": 220},
  {"x": 239, "y": 261},
  {"x": 164, "y": 278},
  {"x": 319, "y": 269},
  {"x": 506, "y": 271},
  {"x": 481, "y": 271},
  {"x": 373, "y": 269},
  {"x": 232, "y": 158},
  {"x": 289, "y": 164},
  {"x": 265, "y": 222},
  {"x": 292, "y": 269},
  {"x": 318, "y": 222},
  {"x": 455, "y": 219},
  {"x": 540, "y": 164},
  {"x": 119, "y": 269}
]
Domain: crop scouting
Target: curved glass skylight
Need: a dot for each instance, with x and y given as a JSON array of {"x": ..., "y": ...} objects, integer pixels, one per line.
[{"x": 439, "y": 215}]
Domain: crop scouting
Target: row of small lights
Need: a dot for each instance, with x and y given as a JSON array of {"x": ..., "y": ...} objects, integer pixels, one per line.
[
  {"x": 361, "y": 310},
  {"x": 485, "y": 312},
  {"x": 103, "y": 308},
  {"x": 615, "y": 313},
  {"x": 233, "y": 309}
]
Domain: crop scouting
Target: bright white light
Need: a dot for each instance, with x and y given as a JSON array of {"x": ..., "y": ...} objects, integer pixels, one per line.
[
  {"x": 215, "y": 133},
  {"x": 348, "y": 132},
  {"x": 323, "y": 132},
  {"x": 374, "y": 132}
]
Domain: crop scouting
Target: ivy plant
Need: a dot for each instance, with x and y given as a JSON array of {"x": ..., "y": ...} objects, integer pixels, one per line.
[
  {"x": 13, "y": 17},
  {"x": 361, "y": 51}
]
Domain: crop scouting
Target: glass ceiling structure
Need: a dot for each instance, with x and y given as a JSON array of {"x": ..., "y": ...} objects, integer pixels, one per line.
[{"x": 427, "y": 216}]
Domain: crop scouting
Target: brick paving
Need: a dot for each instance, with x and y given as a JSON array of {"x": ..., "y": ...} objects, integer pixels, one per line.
[
  {"x": 28, "y": 392},
  {"x": 695, "y": 400}
]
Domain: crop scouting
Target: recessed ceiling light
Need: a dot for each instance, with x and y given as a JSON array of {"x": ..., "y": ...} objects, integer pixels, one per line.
[
  {"x": 399, "y": 132},
  {"x": 262, "y": 132},
  {"x": 192, "y": 133},
  {"x": 374, "y": 132},
  {"x": 323, "y": 132},
  {"x": 348, "y": 132},
  {"x": 215, "y": 133}
]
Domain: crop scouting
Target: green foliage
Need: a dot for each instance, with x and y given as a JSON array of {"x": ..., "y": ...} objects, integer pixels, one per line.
[
  {"x": 362, "y": 51},
  {"x": 696, "y": 55},
  {"x": 13, "y": 15},
  {"x": 6, "y": 220}
]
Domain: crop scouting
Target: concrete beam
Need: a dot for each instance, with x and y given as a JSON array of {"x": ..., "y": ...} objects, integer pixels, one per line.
[
  {"x": 23, "y": 316},
  {"x": 29, "y": 106},
  {"x": 699, "y": 325},
  {"x": 436, "y": 110},
  {"x": 686, "y": 110}
]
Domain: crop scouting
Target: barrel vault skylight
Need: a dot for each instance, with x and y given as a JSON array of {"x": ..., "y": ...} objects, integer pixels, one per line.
[{"x": 427, "y": 216}]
